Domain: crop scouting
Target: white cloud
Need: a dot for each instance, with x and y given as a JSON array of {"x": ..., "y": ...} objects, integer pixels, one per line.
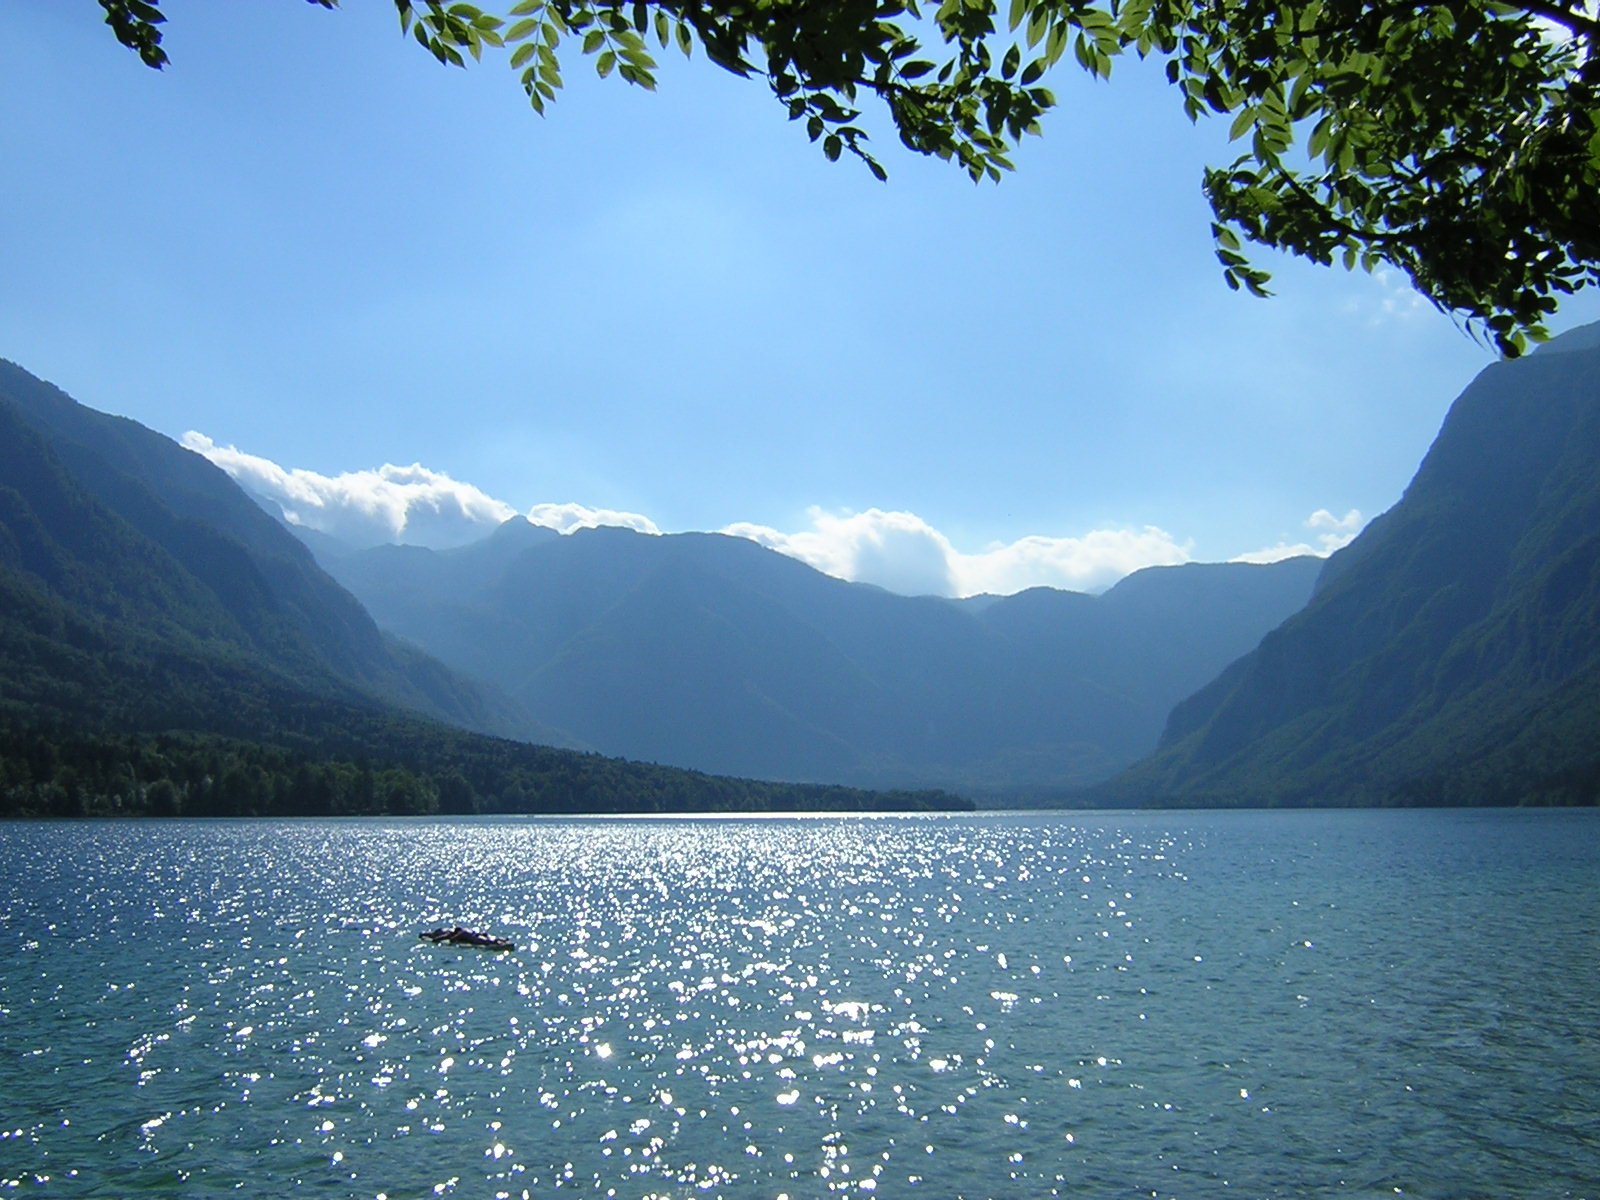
[
  {"x": 897, "y": 551},
  {"x": 564, "y": 518},
  {"x": 901, "y": 552},
  {"x": 1388, "y": 295},
  {"x": 405, "y": 505},
  {"x": 1401, "y": 300},
  {"x": 1089, "y": 563},
  {"x": 410, "y": 505},
  {"x": 1336, "y": 533}
]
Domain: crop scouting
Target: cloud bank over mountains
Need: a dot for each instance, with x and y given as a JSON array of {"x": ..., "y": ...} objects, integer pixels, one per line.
[
  {"x": 897, "y": 551},
  {"x": 901, "y": 552},
  {"x": 1333, "y": 533},
  {"x": 410, "y": 505}
]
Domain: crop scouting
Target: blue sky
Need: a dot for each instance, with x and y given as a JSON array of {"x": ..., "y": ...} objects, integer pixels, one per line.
[{"x": 308, "y": 241}]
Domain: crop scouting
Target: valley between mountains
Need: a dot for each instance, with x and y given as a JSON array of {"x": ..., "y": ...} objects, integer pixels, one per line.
[{"x": 169, "y": 645}]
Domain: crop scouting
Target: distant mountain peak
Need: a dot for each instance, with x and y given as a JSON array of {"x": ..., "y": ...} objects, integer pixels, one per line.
[{"x": 519, "y": 531}]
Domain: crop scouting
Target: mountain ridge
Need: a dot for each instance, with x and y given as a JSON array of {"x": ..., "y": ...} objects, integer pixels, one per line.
[
  {"x": 712, "y": 652},
  {"x": 153, "y": 660},
  {"x": 1446, "y": 650},
  {"x": 154, "y": 528}
]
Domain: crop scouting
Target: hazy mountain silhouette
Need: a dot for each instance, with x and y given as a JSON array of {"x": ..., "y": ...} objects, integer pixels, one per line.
[
  {"x": 1451, "y": 654},
  {"x": 712, "y": 652}
]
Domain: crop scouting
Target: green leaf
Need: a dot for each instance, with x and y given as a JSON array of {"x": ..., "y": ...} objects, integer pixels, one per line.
[
  {"x": 1038, "y": 25},
  {"x": 1084, "y": 55}
]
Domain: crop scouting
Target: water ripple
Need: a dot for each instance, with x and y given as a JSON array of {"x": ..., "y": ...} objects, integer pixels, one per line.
[{"x": 1189, "y": 1005}]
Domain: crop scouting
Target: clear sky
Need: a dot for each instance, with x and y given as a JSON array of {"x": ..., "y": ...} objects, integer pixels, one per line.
[{"x": 307, "y": 241}]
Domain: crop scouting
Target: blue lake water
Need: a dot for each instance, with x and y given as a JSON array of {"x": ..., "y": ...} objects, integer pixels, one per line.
[{"x": 1352, "y": 1004}]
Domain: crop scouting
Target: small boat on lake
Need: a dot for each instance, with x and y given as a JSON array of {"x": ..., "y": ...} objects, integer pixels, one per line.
[{"x": 458, "y": 936}]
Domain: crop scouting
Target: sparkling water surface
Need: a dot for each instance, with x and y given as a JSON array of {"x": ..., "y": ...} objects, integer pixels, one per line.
[{"x": 1201, "y": 1005}]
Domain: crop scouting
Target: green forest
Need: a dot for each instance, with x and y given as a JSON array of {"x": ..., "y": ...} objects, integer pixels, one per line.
[
  {"x": 47, "y": 773},
  {"x": 99, "y": 720}
]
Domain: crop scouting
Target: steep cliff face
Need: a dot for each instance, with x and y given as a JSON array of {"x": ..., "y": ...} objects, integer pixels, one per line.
[{"x": 1452, "y": 652}]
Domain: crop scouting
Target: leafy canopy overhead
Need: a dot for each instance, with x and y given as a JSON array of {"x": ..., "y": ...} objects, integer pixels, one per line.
[{"x": 1457, "y": 141}]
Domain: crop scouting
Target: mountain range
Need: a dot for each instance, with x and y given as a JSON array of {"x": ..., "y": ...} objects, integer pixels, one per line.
[
  {"x": 168, "y": 646},
  {"x": 712, "y": 652},
  {"x": 157, "y": 548},
  {"x": 1451, "y": 653},
  {"x": 162, "y": 636}
]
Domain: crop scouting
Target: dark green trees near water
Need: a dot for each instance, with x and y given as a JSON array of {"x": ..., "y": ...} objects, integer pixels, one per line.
[{"x": 46, "y": 773}]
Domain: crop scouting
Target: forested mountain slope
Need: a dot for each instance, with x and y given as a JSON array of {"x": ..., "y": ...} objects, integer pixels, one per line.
[
  {"x": 161, "y": 540},
  {"x": 1452, "y": 652},
  {"x": 166, "y": 646}
]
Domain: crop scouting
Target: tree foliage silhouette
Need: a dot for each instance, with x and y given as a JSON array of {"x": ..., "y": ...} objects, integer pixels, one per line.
[{"x": 1458, "y": 142}]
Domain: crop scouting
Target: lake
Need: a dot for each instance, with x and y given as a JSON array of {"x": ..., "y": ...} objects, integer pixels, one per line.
[{"x": 1180, "y": 1004}]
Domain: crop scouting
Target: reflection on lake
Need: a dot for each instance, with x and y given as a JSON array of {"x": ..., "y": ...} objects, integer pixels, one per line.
[{"x": 1092, "y": 1005}]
